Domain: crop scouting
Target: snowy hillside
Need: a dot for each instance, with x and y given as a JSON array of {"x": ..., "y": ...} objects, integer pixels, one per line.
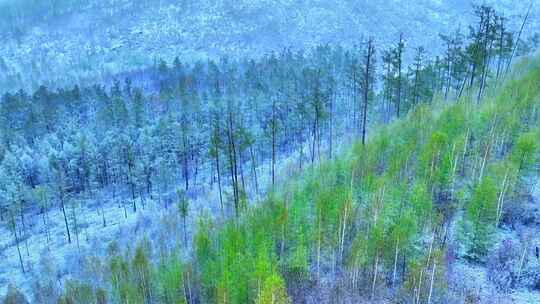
[
  {"x": 269, "y": 152},
  {"x": 74, "y": 40}
]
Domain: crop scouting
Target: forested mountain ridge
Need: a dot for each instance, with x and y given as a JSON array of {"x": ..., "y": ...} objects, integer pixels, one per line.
[
  {"x": 225, "y": 181},
  {"x": 65, "y": 42}
]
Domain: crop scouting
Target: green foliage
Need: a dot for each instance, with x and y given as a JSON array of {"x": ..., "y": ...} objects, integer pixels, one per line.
[
  {"x": 330, "y": 205},
  {"x": 14, "y": 296},
  {"x": 170, "y": 281},
  {"x": 273, "y": 291},
  {"x": 421, "y": 202},
  {"x": 370, "y": 209},
  {"x": 182, "y": 203},
  {"x": 141, "y": 271},
  {"x": 132, "y": 280},
  {"x": 78, "y": 292},
  {"x": 363, "y": 212},
  {"x": 124, "y": 289},
  {"x": 206, "y": 258},
  {"x": 431, "y": 155},
  {"x": 524, "y": 154},
  {"x": 480, "y": 214}
]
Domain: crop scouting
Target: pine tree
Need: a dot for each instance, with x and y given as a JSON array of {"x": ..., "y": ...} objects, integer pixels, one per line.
[
  {"x": 183, "y": 210},
  {"x": 368, "y": 82},
  {"x": 397, "y": 53},
  {"x": 481, "y": 213}
]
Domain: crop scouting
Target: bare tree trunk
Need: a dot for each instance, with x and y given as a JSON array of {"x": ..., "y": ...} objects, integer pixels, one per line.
[
  {"x": 375, "y": 275},
  {"x": 500, "y": 201},
  {"x": 24, "y": 230},
  {"x": 522, "y": 261},
  {"x": 400, "y": 54},
  {"x": 395, "y": 263},
  {"x": 17, "y": 240},
  {"x": 485, "y": 58},
  {"x": 431, "y": 284},
  {"x": 241, "y": 171},
  {"x": 331, "y": 126},
  {"x": 273, "y": 141},
  {"x": 184, "y": 228},
  {"x": 185, "y": 159},
  {"x": 62, "y": 206},
  {"x": 519, "y": 37},
  {"x": 219, "y": 182},
  {"x": 254, "y": 169},
  {"x": 319, "y": 236},
  {"x": 488, "y": 149},
  {"x": 45, "y": 218},
  {"x": 419, "y": 287},
  {"x": 233, "y": 164},
  {"x": 367, "y": 84},
  {"x": 501, "y": 50},
  {"x": 130, "y": 181},
  {"x": 76, "y": 224},
  {"x": 465, "y": 145},
  {"x": 103, "y": 214}
]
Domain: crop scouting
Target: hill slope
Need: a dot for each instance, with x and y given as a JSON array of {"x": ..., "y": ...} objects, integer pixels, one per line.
[
  {"x": 438, "y": 196},
  {"x": 70, "y": 40}
]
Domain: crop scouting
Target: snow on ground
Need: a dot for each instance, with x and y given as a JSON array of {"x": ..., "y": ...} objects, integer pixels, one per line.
[
  {"x": 94, "y": 237},
  {"x": 474, "y": 284},
  {"x": 471, "y": 280},
  {"x": 91, "y": 226},
  {"x": 122, "y": 223}
]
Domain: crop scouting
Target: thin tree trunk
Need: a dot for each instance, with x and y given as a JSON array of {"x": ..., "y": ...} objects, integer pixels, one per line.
[
  {"x": 186, "y": 168},
  {"x": 500, "y": 202},
  {"x": 103, "y": 214},
  {"x": 488, "y": 148},
  {"x": 47, "y": 233},
  {"x": 395, "y": 263},
  {"x": 400, "y": 51},
  {"x": 233, "y": 164},
  {"x": 431, "y": 284},
  {"x": 366, "y": 89},
  {"x": 17, "y": 241},
  {"x": 184, "y": 228},
  {"x": 374, "y": 275},
  {"x": 254, "y": 169},
  {"x": 419, "y": 288},
  {"x": 219, "y": 182},
  {"x": 501, "y": 51},
  {"x": 24, "y": 230},
  {"x": 331, "y": 126},
  {"x": 522, "y": 261},
  {"x": 62, "y": 205},
  {"x": 273, "y": 141},
  {"x": 319, "y": 236},
  {"x": 76, "y": 225},
  {"x": 518, "y": 37},
  {"x": 314, "y": 131}
]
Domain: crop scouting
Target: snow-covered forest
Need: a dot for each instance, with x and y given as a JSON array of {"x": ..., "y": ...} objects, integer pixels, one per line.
[{"x": 361, "y": 167}]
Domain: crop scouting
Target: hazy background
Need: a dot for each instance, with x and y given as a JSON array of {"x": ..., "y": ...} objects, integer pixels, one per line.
[{"x": 60, "y": 42}]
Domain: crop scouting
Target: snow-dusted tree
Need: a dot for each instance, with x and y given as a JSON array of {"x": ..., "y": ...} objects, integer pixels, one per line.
[{"x": 12, "y": 193}]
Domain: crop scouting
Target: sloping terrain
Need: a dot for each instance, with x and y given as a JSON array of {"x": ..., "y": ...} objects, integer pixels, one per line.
[
  {"x": 73, "y": 40},
  {"x": 159, "y": 187},
  {"x": 438, "y": 207}
]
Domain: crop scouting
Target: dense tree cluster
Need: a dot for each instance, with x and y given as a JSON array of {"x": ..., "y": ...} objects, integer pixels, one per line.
[
  {"x": 377, "y": 217},
  {"x": 172, "y": 121}
]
